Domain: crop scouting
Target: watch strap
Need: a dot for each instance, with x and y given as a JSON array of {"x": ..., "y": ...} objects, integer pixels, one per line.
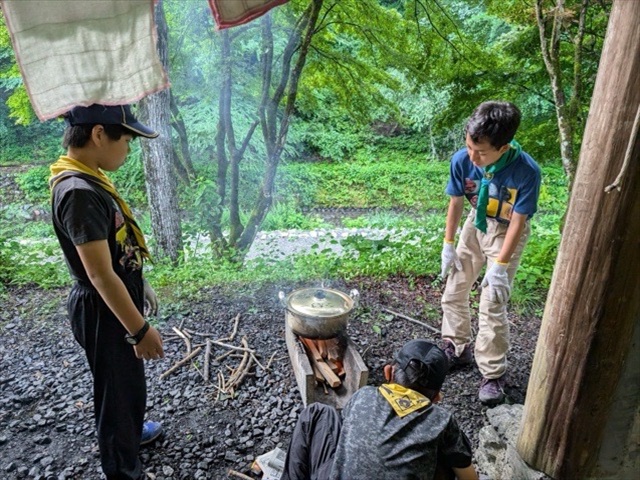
[{"x": 140, "y": 335}]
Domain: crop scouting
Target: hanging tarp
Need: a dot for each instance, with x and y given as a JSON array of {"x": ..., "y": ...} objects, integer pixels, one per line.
[
  {"x": 230, "y": 13},
  {"x": 83, "y": 52}
]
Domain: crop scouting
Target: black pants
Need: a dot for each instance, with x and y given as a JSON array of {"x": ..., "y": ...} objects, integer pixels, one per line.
[
  {"x": 313, "y": 444},
  {"x": 119, "y": 385}
]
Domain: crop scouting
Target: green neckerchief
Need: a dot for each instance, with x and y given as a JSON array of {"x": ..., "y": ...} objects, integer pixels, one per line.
[
  {"x": 483, "y": 195},
  {"x": 403, "y": 400},
  {"x": 68, "y": 167}
]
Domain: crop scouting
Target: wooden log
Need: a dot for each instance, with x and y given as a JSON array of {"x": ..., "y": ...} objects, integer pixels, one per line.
[
  {"x": 317, "y": 373},
  {"x": 311, "y": 348},
  {"x": 180, "y": 363},
  {"x": 579, "y": 416},
  {"x": 322, "y": 347},
  {"x": 332, "y": 365},
  {"x": 333, "y": 350},
  {"x": 330, "y": 377},
  {"x": 207, "y": 355},
  {"x": 406, "y": 317}
]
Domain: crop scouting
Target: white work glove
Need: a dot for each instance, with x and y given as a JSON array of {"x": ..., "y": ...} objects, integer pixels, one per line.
[
  {"x": 150, "y": 299},
  {"x": 449, "y": 259},
  {"x": 498, "y": 281}
]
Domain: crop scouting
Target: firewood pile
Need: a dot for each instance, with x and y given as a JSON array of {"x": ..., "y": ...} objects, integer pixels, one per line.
[
  {"x": 202, "y": 347},
  {"x": 326, "y": 361}
]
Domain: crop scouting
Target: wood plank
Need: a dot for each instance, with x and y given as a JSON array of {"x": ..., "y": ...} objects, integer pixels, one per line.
[
  {"x": 333, "y": 350},
  {"x": 322, "y": 347},
  {"x": 305, "y": 378},
  {"x": 317, "y": 373},
  {"x": 330, "y": 377},
  {"x": 311, "y": 347}
]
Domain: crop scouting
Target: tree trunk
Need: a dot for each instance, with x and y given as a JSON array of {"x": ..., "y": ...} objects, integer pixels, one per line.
[
  {"x": 566, "y": 109},
  {"x": 594, "y": 301},
  {"x": 157, "y": 158},
  {"x": 272, "y": 119},
  {"x": 185, "y": 165},
  {"x": 275, "y": 127}
]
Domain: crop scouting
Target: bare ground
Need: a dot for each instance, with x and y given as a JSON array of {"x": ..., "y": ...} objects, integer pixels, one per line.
[{"x": 46, "y": 409}]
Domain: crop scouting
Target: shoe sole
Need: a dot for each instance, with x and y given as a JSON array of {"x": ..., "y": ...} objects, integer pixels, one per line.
[
  {"x": 492, "y": 402},
  {"x": 152, "y": 439}
]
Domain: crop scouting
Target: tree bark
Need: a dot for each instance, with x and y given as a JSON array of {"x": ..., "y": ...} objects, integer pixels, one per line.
[
  {"x": 593, "y": 305},
  {"x": 154, "y": 111}
]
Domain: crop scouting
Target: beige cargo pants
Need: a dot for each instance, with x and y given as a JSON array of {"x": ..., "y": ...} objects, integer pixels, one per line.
[{"x": 475, "y": 250}]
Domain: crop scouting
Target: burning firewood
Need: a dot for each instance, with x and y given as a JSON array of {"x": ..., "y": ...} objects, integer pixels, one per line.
[{"x": 319, "y": 364}]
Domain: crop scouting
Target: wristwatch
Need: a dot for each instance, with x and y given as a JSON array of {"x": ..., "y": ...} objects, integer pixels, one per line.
[{"x": 137, "y": 338}]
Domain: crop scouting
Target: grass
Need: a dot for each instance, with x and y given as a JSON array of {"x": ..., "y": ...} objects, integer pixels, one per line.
[{"x": 406, "y": 191}]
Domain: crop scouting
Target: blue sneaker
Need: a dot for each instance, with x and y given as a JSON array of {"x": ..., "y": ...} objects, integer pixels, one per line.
[{"x": 150, "y": 432}]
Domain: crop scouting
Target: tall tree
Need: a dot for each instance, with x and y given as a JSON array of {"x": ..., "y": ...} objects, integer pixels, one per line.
[
  {"x": 581, "y": 413},
  {"x": 157, "y": 153},
  {"x": 560, "y": 23},
  {"x": 273, "y": 113}
]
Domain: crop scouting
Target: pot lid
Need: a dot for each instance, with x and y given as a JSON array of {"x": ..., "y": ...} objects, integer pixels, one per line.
[{"x": 319, "y": 302}]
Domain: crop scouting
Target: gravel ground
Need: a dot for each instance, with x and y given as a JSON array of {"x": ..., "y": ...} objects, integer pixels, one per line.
[{"x": 46, "y": 409}]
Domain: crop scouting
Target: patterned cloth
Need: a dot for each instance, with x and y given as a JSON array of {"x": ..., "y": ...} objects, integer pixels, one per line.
[
  {"x": 515, "y": 188},
  {"x": 79, "y": 53},
  {"x": 231, "y": 13},
  {"x": 376, "y": 443}
]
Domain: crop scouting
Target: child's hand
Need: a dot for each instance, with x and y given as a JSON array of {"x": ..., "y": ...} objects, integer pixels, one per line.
[
  {"x": 449, "y": 259},
  {"x": 150, "y": 347},
  {"x": 150, "y": 299},
  {"x": 497, "y": 280}
]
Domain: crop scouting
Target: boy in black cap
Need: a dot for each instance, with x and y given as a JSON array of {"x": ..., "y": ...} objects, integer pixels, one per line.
[
  {"x": 104, "y": 250},
  {"x": 389, "y": 432}
]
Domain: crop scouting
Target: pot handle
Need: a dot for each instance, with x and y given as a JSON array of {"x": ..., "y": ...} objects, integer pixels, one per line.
[
  {"x": 281, "y": 297},
  {"x": 355, "y": 295}
]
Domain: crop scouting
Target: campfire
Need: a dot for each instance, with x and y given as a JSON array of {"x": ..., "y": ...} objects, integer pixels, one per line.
[{"x": 325, "y": 360}]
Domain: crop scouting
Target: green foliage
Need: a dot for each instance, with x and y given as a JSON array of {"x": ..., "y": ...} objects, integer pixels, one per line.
[
  {"x": 24, "y": 262},
  {"x": 285, "y": 216},
  {"x": 129, "y": 178},
  {"x": 373, "y": 179},
  {"x": 34, "y": 183}
]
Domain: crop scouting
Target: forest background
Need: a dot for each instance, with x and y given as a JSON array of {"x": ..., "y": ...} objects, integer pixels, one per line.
[{"x": 351, "y": 107}]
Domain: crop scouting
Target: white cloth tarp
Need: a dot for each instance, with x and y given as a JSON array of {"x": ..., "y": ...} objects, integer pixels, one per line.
[
  {"x": 230, "y": 13},
  {"x": 80, "y": 52}
]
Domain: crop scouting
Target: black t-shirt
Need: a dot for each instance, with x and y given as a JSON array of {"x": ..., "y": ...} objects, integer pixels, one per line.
[{"x": 84, "y": 212}]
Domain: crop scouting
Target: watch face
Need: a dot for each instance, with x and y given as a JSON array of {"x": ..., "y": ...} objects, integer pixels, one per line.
[{"x": 131, "y": 340}]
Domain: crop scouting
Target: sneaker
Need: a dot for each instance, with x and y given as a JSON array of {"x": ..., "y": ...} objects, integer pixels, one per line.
[
  {"x": 454, "y": 361},
  {"x": 150, "y": 432},
  {"x": 491, "y": 391}
]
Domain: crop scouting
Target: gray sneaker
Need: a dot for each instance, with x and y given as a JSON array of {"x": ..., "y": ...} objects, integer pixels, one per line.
[
  {"x": 491, "y": 391},
  {"x": 454, "y": 361}
]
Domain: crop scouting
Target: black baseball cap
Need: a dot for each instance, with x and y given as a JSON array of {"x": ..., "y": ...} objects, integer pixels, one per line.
[
  {"x": 97, "y": 114},
  {"x": 433, "y": 363}
]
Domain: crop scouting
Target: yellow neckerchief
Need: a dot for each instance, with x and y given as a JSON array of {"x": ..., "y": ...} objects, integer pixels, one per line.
[
  {"x": 403, "y": 400},
  {"x": 66, "y": 167}
]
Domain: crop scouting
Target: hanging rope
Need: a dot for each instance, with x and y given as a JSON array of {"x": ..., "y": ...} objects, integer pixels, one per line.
[{"x": 627, "y": 156}]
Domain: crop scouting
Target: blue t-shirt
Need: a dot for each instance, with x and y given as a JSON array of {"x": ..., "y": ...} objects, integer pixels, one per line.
[{"x": 515, "y": 188}]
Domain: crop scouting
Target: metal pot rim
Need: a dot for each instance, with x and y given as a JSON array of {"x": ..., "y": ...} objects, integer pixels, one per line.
[{"x": 319, "y": 302}]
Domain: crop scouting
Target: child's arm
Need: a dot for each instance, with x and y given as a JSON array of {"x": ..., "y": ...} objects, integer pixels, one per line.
[
  {"x": 454, "y": 214},
  {"x": 96, "y": 259},
  {"x": 512, "y": 237}
]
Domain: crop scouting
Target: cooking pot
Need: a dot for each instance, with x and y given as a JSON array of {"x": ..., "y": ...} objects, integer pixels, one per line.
[{"x": 318, "y": 312}]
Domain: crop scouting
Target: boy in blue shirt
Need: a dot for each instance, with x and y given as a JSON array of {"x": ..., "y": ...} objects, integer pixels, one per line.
[{"x": 502, "y": 184}]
